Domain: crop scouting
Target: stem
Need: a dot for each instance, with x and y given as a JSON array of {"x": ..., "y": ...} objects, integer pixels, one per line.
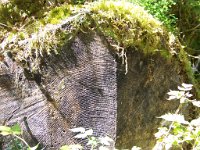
[
  {"x": 21, "y": 140},
  {"x": 192, "y": 28},
  {"x": 1, "y": 24},
  {"x": 170, "y": 127},
  {"x": 193, "y": 147},
  {"x": 92, "y": 147}
]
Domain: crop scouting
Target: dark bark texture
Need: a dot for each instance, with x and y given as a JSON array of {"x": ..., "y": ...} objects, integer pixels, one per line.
[
  {"x": 76, "y": 88},
  {"x": 141, "y": 97},
  {"x": 85, "y": 86}
]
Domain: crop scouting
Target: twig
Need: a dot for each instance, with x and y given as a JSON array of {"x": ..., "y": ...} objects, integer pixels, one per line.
[
  {"x": 1, "y": 24},
  {"x": 192, "y": 28},
  {"x": 196, "y": 57}
]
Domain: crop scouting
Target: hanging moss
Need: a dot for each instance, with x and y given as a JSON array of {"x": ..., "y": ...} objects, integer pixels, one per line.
[{"x": 125, "y": 23}]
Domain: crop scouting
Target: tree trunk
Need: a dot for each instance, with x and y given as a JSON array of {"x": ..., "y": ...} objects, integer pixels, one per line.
[{"x": 86, "y": 86}]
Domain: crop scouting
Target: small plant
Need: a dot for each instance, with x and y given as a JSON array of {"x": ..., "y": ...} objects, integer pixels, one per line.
[
  {"x": 16, "y": 131},
  {"x": 179, "y": 132},
  {"x": 100, "y": 143}
]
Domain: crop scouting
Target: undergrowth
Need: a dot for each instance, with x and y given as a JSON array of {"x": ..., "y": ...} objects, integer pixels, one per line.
[{"x": 161, "y": 10}]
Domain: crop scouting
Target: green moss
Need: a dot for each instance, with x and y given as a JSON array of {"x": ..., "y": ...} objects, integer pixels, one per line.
[
  {"x": 128, "y": 25},
  {"x": 9, "y": 14},
  {"x": 183, "y": 57},
  {"x": 57, "y": 14},
  {"x": 166, "y": 54}
]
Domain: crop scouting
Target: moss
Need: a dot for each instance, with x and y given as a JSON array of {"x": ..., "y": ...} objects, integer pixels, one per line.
[
  {"x": 128, "y": 25},
  {"x": 14, "y": 12},
  {"x": 166, "y": 54},
  {"x": 57, "y": 14},
  {"x": 183, "y": 57}
]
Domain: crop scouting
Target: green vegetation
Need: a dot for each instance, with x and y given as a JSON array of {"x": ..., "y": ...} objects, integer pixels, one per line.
[
  {"x": 180, "y": 16},
  {"x": 129, "y": 25},
  {"x": 126, "y": 24},
  {"x": 176, "y": 131},
  {"x": 114, "y": 19},
  {"x": 161, "y": 10},
  {"x": 101, "y": 143},
  {"x": 188, "y": 23},
  {"x": 18, "y": 143}
]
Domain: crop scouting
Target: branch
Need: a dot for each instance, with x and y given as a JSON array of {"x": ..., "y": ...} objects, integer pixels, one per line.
[{"x": 192, "y": 29}]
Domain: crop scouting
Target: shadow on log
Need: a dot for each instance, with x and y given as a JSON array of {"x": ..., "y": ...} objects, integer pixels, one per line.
[{"x": 141, "y": 97}]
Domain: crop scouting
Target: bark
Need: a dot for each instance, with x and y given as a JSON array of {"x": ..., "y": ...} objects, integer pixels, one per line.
[
  {"x": 141, "y": 97},
  {"x": 76, "y": 88},
  {"x": 86, "y": 86}
]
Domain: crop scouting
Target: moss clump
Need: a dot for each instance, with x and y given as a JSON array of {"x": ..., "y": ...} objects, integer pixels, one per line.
[
  {"x": 44, "y": 36},
  {"x": 129, "y": 25},
  {"x": 14, "y": 12},
  {"x": 57, "y": 14}
]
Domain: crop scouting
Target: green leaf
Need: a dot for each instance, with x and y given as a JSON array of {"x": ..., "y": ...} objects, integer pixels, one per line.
[
  {"x": 81, "y": 136},
  {"x": 16, "y": 129},
  {"x": 103, "y": 148},
  {"x": 173, "y": 95},
  {"x": 79, "y": 129},
  {"x": 174, "y": 117},
  {"x": 196, "y": 103},
  {"x": 178, "y": 129},
  {"x": 92, "y": 141},
  {"x": 4, "y": 133},
  {"x": 187, "y": 86},
  {"x": 89, "y": 132},
  {"x": 4, "y": 130},
  {"x": 105, "y": 140},
  {"x": 71, "y": 147},
  {"x": 65, "y": 147},
  {"x": 135, "y": 148},
  {"x": 161, "y": 132},
  {"x": 75, "y": 147},
  {"x": 195, "y": 122},
  {"x": 33, "y": 148},
  {"x": 85, "y": 134}
]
